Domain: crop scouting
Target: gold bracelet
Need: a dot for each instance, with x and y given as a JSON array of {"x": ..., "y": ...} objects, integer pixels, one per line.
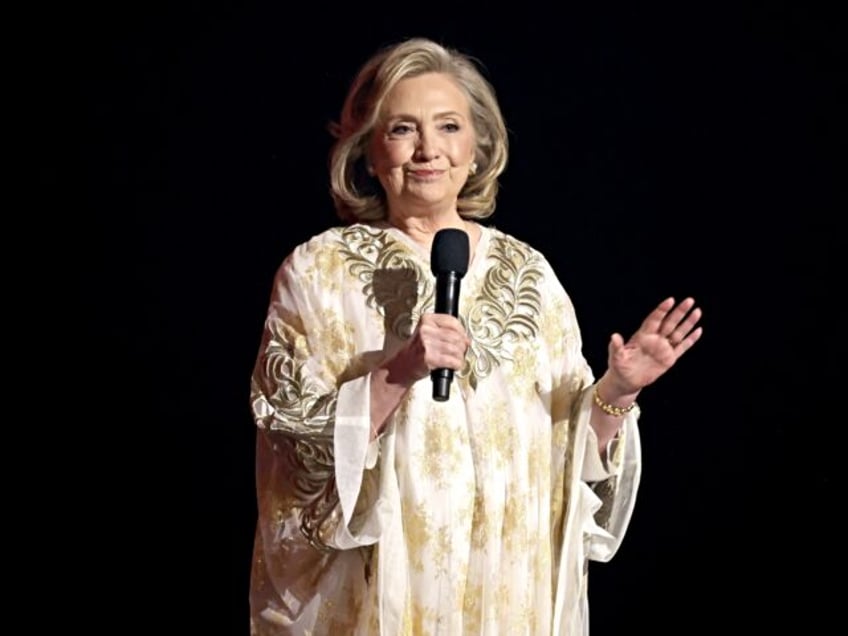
[{"x": 612, "y": 409}]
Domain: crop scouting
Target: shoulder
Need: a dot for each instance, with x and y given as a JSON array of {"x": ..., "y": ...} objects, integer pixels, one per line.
[
  {"x": 508, "y": 245},
  {"x": 332, "y": 249},
  {"x": 341, "y": 237},
  {"x": 325, "y": 240},
  {"x": 318, "y": 247},
  {"x": 315, "y": 253}
]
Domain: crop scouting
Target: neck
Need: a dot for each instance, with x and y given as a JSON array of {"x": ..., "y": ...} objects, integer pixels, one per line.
[{"x": 422, "y": 229}]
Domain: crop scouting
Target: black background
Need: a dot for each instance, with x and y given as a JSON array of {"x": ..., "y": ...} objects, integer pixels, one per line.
[{"x": 654, "y": 152}]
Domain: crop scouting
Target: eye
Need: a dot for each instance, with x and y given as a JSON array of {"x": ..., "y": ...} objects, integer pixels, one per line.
[
  {"x": 401, "y": 129},
  {"x": 450, "y": 127}
]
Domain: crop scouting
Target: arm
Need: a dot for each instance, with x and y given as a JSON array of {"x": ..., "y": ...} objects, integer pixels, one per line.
[
  {"x": 607, "y": 412},
  {"x": 306, "y": 363}
]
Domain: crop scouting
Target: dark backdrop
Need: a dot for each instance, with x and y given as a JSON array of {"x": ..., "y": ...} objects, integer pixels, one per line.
[{"x": 654, "y": 152}]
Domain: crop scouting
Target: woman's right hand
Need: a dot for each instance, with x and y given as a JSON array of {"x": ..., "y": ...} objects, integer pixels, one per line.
[{"x": 438, "y": 342}]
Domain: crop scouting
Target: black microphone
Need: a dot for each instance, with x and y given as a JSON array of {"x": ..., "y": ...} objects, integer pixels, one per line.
[{"x": 449, "y": 263}]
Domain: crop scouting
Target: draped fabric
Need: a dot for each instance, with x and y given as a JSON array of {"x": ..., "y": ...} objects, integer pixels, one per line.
[{"x": 477, "y": 515}]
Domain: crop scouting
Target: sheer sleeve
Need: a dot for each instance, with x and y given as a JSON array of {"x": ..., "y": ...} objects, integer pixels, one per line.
[
  {"x": 306, "y": 369},
  {"x": 603, "y": 488}
]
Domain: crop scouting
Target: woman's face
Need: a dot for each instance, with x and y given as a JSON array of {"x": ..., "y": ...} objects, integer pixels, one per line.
[{"x": 423, "y": 145}]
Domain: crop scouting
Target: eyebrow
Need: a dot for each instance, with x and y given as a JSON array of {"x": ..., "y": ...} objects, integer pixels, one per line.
[{"x": 442, "y": 115}]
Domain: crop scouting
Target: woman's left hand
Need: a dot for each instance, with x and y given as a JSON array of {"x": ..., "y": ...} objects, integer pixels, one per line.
[{"x": 667, "y": 333}]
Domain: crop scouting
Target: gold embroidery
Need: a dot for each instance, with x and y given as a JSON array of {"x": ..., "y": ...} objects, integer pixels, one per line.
[
  {"x": 513, "y": 527},
  {"x": 605, "y": 490},
  {"x": 337, "y": 347},
  {"x": 507, "y": 310},
  {"x": 499, "y": 434},
  {"x": 323, "y": 272},
  {"x": 440, "y": 456},
  {"x": 524, "y": 361},
  {"x": 441, "y": 550},
  {"x": 392, "y": 280},
  {"x": 422, "y": 616},
  {"x": 480, "y": 522},
  {"x": 296, "y": 405},
  {"x": 472, "y": 608},
  {"x": 418, "y": 535}
]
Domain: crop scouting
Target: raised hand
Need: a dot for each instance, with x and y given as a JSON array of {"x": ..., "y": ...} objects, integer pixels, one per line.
[{"x": 667, "y": 333}]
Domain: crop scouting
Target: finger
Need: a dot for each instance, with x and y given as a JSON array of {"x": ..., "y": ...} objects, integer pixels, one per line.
[
  {"x": 671, "y": 321},
  {"x": 442, "y": 320},
  {"x": 682, "y": 330},
  {"x": 616, "y": 342},
  {"x": 438, "y": 333},
  {"x": 684, "y": 345},
  {"x": 431, "y": 332},
  {"x": 654, "y": 320},
  {"x": 445, "y": 354}
]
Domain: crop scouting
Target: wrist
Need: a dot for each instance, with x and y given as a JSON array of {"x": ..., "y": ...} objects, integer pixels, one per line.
[
  {"x": 616, "y": 392},
  {"x": 612, "y": 398},
  {"x": 396, "y": 371}
]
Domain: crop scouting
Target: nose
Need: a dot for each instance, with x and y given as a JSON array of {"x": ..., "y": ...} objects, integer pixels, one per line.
[{"x": 426, "y": 149}]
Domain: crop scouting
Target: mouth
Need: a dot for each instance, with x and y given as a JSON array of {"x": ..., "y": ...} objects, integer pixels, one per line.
[{"x": 425, "y": 175}]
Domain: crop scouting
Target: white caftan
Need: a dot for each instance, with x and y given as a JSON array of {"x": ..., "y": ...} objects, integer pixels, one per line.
[{"x": 477, "y": 515}]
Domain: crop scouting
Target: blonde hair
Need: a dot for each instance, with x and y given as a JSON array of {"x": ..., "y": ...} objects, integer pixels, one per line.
[{"x": 357, "y": 195}]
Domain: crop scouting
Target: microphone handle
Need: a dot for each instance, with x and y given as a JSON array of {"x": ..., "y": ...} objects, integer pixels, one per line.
[
  {"x": 447, "y": 293},
  {"x": 447, "y": 302},
  {"x": 441, "y": 384}
]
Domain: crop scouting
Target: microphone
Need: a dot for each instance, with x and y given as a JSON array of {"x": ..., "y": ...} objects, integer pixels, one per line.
[{"x": 449, "y": 263}]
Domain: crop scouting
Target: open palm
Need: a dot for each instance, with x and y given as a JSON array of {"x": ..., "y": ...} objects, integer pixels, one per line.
[{"x": 667, "y": 333}]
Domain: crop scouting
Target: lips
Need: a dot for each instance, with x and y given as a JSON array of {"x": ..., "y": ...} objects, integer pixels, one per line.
[{"x": 424, "y": 174}]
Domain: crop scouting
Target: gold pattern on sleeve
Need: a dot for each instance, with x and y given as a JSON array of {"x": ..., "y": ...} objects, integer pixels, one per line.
[
  {"x": 524, "y": 360},
  {"x": 339, "y": 620},
  {"x": 293, "y": 403},
  {"x": 563, "y": 473},
  {"x": 323, "y": 272},
  {"x": 605, "y": 490},
  {"x": 285, "y": 398},
  {"x": 336, "y": 338},
  {"x": 557, "y": 333},
  {"x": 313, "y": 487}
]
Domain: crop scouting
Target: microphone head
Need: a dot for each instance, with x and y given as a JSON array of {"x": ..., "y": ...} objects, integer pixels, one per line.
[{"x": 450, "y": 252}]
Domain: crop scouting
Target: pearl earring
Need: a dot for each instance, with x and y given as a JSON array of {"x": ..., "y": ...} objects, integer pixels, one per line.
[{"x": 472, "y": 168}]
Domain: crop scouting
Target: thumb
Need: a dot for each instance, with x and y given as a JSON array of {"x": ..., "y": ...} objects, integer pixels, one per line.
[{"x": 616, "y": 342}]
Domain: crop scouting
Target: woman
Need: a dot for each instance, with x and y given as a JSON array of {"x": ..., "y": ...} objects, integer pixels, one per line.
[{"x": 382, "y": 510}]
